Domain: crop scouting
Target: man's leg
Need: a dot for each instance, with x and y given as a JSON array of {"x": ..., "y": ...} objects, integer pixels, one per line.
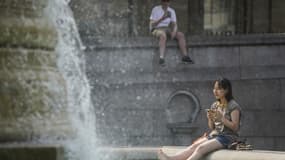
[
  {"x": 161, "y": 35},
  {"x": 182, "y": 45},
  {"x": 162, "y": 44}
]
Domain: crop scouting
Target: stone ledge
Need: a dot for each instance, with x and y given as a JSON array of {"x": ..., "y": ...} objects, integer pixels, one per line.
[
  {"x": 149, "y": 42},
  {"x": 235, "y": 155},
  {"x": 169, "y": 75},
  {"x": 127, "y": 153},
  {"x": 31, "y": 152},
  {"x": 149, "y": 153}
]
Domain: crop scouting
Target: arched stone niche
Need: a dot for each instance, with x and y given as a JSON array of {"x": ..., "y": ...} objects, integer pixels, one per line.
[{"x": 181, "y": 111}]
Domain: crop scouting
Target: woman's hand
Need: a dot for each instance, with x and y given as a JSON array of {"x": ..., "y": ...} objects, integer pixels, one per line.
[
  {"x": 210, "y": 115},
  {"x": 219, "y": 115}
]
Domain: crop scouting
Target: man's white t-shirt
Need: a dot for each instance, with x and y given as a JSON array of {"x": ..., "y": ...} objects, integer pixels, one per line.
[{"x": 157, "y": 12}]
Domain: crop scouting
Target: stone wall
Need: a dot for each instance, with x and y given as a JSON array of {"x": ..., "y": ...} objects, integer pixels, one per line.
[
  {"x": 131, "y": 91},
  {"x": 33, "y": 100},
  {"x": 101, "y": 18}
]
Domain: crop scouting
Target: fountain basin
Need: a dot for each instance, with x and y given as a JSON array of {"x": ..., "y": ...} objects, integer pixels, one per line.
[
  {"x": 31, "y": 152},
  {"x": 150, "y": 153}
]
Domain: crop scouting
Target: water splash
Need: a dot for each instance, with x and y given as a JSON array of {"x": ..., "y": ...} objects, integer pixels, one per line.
[{"x": 72, "y": 66}]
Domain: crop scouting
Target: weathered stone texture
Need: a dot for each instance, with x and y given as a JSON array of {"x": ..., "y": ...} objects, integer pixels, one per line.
[
  {"x": 131, "y": 94},
  {"x": 130, "y": 90},
  {"x": 32, "y": 93}
]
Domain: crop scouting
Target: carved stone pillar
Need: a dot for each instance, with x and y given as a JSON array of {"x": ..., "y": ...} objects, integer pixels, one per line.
[{"x": 32, "y": 91}]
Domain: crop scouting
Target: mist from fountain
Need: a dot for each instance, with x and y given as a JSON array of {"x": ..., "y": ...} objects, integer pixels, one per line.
[{"x": 71, "y": 64}]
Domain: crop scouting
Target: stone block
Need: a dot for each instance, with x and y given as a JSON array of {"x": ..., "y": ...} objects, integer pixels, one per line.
[
  {"x": 87, "y": 10},
  {"x": 277, "y": 13},
  {"x": 110, "y": 18},
  {"x": 150, "y": 140},
  {"x": 263, "y": 124},
  {"x": 31, "y": 151},
  {"x": 262, "y": 62},
  {"x": 140, "y": 96},
  {"x": 182, "y": 73},
  {"x": 261, "y": 56},
  {"x": 216, "y": 56},
  {"x": 257, "y": 94},
  {"x": 262, "y": 143},
  {"x": 260, "y": 10},
  {"x": 263, "y": 72},
  {"x": 117, "y": 125},
  {"x": 127, "y": 153},
  {"x": 279, "y": 144},
  {"x": 120, "y": 60},
  {"x": 181, "y": 8},
  {"x": 282, "y": 98}
]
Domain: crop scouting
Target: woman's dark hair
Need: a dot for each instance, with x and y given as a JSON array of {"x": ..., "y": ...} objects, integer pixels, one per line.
[{"x": 226, "y": 85}]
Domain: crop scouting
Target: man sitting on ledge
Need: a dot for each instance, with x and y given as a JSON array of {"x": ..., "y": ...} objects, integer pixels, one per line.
[{"x": 163, "y": 23}]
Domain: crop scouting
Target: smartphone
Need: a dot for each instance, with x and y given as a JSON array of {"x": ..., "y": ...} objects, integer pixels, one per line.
[{"x": 168, "y": 14}]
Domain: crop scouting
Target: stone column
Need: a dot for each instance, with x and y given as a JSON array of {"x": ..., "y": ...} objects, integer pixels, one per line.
[
  {"x": 195, "y": 17},
  {"x": 32, "y": 91}
]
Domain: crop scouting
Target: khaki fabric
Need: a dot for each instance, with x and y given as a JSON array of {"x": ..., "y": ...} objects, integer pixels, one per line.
[{"x": 160, "y": 31}]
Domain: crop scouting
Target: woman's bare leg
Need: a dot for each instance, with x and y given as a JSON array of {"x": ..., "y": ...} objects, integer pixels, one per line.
[
  {"x": 204, "y": 148},
  {"x": 183, "y": 155}
]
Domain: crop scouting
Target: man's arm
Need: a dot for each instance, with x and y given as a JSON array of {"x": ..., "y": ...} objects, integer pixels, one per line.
[{"x": 154, "y": 23}]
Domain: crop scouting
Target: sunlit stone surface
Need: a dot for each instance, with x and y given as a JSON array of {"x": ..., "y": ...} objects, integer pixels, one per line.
[{"x": 32, "y": 92}]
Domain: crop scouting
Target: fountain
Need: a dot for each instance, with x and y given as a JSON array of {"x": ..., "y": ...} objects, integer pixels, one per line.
[
  {"x": 44, "y": 92},
  {"x": 72, "y": 66}
]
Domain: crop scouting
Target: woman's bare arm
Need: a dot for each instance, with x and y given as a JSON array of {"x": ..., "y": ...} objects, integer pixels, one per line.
[{"x": 234, "y": 123}]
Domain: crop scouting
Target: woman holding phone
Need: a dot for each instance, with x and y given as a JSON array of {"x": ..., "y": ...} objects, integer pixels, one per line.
[{"x": 223, "y": 120}]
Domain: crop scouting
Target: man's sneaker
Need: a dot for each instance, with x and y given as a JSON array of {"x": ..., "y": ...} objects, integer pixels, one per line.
[
  {"x": 161, "y": 61},
  {"x": 187, "y": 59}
]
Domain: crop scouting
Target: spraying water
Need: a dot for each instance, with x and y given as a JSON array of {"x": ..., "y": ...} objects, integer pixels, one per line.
[{"x": 72, "y": 66}]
